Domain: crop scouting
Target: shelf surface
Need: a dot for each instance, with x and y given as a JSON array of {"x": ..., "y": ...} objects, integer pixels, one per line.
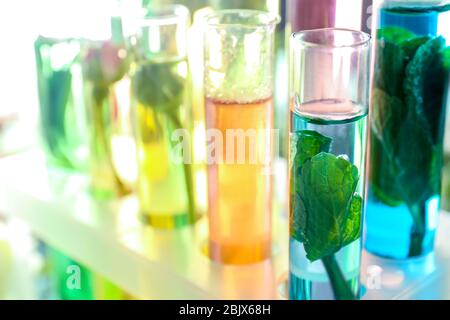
[{"x": 109, "y": 238}]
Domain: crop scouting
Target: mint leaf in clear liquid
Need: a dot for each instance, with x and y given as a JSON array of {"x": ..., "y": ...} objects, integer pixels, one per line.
[
  {"x": 307, "y": 143},
  {"x": 325, "y": 209},
  {"x": 352, "y": 227},
  {"x": 331, "y": 207}
]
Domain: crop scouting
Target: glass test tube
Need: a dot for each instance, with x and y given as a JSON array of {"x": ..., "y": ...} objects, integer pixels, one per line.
[
  {"x": 239, "y": 68},
  {"x": 162, "y": 111},
  {"x": 409, "y": 102},
  {"x": 329, "y": 91}
]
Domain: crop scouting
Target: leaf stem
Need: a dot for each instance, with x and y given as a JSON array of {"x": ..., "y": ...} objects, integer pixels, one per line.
[
  {"x": 188, "y": 176},
  {"x": 101, "y": 141},
  {"x": 418, "y": 233},
  {"x": 340, "y": 286}
]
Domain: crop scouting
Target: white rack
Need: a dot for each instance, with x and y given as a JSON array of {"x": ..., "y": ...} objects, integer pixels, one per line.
[{"x": 153, "y": 264}]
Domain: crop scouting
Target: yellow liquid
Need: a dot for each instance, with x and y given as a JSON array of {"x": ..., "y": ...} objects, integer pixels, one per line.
[
  {"x": 162, "y": 182},
  {"x": 240, "y": 193}
]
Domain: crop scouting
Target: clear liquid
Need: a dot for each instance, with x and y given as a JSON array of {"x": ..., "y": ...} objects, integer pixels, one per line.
[
  {"x": 399, "y": 226},
  {"x": 345, "y": 123}
]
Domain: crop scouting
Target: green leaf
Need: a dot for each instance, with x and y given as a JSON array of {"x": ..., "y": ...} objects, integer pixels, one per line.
[
  {"x": 446, "y": 58},
  {"x": 395, "y": 48},
  {"x": 307, "y": 144},
  {"x": 394, "y": 34},
  {"x": 423, "y": 86},
  {"x": 297, "y": 217},
  {"x": 330, "y": 212},
  {"x": 407, "y": 122},
  {"x": 410, "y": 46},
  {"x": 387, "y": 110},
  {"x": 412, "y": 162},
  {"x": 389, "y": 65},
  {"x": 402, "y": 169},
  {"x": 325, "y": 210},
  {"x": 157, "y": 85},
  {"x": 352, "y": 227}
]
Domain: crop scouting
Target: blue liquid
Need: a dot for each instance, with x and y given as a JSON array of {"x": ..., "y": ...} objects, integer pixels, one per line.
[
  {"x": 391, "y": 231},
  {"x": 309, "y": 280}
]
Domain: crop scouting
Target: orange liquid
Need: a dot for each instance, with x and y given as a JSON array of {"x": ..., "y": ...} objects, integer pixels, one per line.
[{"x": 239, "y": 193}]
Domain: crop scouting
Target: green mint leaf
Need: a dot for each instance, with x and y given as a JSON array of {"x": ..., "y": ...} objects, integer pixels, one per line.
[
  {"x": 297, "y": 218},
  {"x": 397, "y": 178},
  {"x": 307, "y": 144},
  {"x": 424, "y": 87},
  {"x": 389, "y": 64},
  {"x": 408, "y": 101},
  {"x": 352, "y": 227},
  {"x": 327, "y": 189},
  {"x": 395, "y": 48},
  {"x": 394, "y": 34},
  {"x": 413, "y": 161},
  {"x": 387, "y": 110},
  {"x": 446, "y": 58},
  {"x": 410, "y": 46},
  {"x": 157, "y": 85}
]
